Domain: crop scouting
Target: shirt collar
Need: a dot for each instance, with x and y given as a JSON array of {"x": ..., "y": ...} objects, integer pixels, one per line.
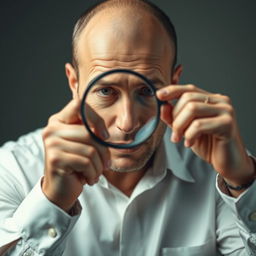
[{"x": 177, "y": 158}]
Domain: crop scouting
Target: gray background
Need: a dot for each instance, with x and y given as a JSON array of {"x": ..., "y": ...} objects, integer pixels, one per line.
[{"x": 217, "y": 42}]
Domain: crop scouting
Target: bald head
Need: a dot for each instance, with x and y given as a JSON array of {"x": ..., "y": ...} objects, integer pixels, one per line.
[
  {"x": 132, "y": 21},
  {"x": 124, "y": 32}
]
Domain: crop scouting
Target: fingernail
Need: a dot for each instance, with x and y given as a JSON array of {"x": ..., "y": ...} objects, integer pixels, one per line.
[
  {"x": 162, "y": 92},
  {"x": 90, "y": 183},
  {"x": 186, "y": 143},
  {"x": 174, "y": 137},
  {"x": 108, "y": 164},
  {"x": 104, "y": 134}
]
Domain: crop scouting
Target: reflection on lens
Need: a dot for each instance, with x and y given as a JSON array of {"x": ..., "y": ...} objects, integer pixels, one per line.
[{"x": 123, "y": 103}]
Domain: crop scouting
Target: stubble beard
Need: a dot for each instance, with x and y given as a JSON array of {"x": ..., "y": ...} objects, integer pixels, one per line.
[{"x": 141, "y": 161}]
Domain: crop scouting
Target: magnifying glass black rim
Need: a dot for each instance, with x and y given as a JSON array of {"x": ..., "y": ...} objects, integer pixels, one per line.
[{"x": 83, "y": 112}]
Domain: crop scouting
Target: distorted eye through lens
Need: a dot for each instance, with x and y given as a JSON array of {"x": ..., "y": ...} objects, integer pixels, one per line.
[{"x": 123, "y": 104}]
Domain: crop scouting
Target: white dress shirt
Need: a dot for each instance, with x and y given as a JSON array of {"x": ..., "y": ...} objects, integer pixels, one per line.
[{"x": 174, "y": 210}]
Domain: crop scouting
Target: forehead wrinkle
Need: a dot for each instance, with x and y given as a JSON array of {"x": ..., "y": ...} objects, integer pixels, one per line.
[
  {"x": 136, "y": 62},
  {"x": 142, "y": 61},
  {"x": 141, "y": 68},
  {"x": 153, "y": 72},
  {"x": 128, "y": 56}
]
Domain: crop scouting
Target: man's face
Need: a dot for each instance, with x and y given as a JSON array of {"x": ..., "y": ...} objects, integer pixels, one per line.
[{"x": 121, "y": 39}]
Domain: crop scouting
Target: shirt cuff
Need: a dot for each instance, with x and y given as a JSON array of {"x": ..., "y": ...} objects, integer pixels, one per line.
[
  {"x": 244, "y": 206},
  {"x": 43, "y": 225}
]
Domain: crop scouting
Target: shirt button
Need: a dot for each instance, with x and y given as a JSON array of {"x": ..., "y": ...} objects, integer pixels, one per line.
[
  {"x": 52, "y": 232},
  {"x": 253, "y": 216},
  {"x": 253, "y": 240},
  {"x": 28, "y": 253}
]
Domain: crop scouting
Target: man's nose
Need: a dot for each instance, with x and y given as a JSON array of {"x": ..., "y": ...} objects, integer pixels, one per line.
[{"x": 127, "y": 118}]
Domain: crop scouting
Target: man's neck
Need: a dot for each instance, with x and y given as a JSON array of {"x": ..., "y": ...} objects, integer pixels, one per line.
[{"x": 126, "y": 181}]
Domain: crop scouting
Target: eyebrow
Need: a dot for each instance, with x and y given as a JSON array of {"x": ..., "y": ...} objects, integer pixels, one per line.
[{"x": 103, "y": 82}]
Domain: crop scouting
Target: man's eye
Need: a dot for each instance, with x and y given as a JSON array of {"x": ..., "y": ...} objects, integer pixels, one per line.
[
  {"x": 105, "y": 91},
  {"x": 146, "y": 91}
]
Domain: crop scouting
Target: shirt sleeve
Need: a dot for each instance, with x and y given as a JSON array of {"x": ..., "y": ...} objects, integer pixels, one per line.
[
  {"x": 243, "y": 210},
  {"x": 40, "y": 227}
]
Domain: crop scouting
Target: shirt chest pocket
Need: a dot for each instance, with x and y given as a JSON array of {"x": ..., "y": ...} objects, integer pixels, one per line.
[{"x": 207, "y": 248}]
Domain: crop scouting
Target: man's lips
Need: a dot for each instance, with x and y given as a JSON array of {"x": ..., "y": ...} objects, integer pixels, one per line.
[{"x": 126, "y": 150}]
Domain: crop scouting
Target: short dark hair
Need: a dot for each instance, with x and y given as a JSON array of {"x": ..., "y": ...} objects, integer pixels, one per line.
[{"x": 146, "y": 5}]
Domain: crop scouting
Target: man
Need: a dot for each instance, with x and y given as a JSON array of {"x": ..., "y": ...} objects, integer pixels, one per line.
[{"x": 62, "y": 193}]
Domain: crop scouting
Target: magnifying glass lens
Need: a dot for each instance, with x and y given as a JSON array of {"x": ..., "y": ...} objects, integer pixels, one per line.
[{"x": 120, "y": 109}]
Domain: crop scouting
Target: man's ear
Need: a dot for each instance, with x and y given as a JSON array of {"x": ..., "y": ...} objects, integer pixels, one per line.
[
  {"x": 72, "y": 79},
  {"x": 176, "y": 74}
]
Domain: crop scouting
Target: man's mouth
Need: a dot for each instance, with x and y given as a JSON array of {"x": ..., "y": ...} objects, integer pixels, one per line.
[{"x": 127, "y": 150}]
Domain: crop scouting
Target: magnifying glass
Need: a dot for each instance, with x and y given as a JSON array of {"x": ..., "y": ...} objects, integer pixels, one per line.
[{"x": 121, "y": 104}]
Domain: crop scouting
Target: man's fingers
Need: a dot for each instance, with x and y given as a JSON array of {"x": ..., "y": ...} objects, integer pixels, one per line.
[
  {"x": 197, "y": 97},
  {"x": 193, "y": 106},
  {"x": 96, "y": 123},
  {"x": 70, "y": 114},
  {"x": 185, "y": 99},
  {"x": 71, "y": 164},
  {"x": 193, "y": 111},
  {"x": 74, "y": 134},
  {"x": 219, "y": 126},
  {"x": 172, "y": 92},
  {"x": 81, "y": 150},
  {"x": 166, "y": 114}
]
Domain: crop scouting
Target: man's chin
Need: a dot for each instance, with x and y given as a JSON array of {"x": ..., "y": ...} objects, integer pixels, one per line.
[
  {"x": 126, "y": 166},
  {"x": 124, "y": 161}
]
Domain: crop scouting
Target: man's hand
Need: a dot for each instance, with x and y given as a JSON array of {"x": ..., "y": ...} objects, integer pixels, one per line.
[
  {"x": 208, "y": 124},
  {"x": 72, "y": 158}
]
